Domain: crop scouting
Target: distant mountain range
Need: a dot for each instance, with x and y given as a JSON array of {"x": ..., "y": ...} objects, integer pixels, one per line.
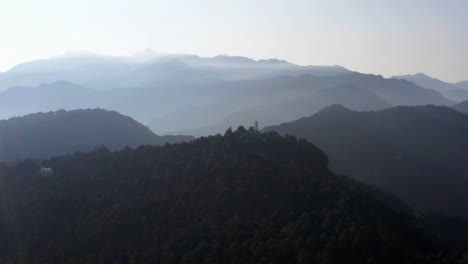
[
  {"x": 454, "y": 91},
  {"x": 21, "y": 100},
  {"x": 43, "y": 135},
  {"x": 143, "y": 86},
  {"x": 181, "y": 107},
  {"x": 426, "y": 81},
  {"x": 457, "y": 94},
  {"x": 187, "y": 93},
  {"x": 418, "y": 153},
  {"x": 147, "y": 69},
  {"x": 287, "y": 98},
  {"x": 462, "y": 85},
  {"x": 462, "y": 107},
  {"x": 346, "y": 94},
  {"x": 248, "y": 196}
]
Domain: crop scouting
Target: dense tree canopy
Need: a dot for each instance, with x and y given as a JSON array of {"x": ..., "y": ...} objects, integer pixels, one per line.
[{"x": 244, "y": 197}]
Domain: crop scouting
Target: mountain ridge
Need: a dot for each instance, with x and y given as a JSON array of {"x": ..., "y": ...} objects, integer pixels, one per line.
[
  {"x": 454, "y": 91},
  {"x": 96, "y": 71},
  {"x": 403, "y": 149},
  {"x": 275, "y": 92},
  {"x": 42, "y": 135}
]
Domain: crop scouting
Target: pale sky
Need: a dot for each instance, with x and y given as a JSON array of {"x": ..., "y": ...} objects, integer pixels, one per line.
[{"x": 374, "y": 36}]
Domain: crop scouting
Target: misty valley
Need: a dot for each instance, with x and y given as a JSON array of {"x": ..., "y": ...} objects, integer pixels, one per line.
[
  {"x": 187, "y": 159},
  {"x": 233, "y": 132}
]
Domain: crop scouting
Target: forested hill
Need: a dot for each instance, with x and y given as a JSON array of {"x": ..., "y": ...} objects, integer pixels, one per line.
[
  {"x": 419, "y": 153},
  {"x": 43, "y": 135},
  {"x": 244, "y": 197}
]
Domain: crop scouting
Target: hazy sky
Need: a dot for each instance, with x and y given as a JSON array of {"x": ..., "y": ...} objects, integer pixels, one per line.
[{"x": 385, "y": 37}]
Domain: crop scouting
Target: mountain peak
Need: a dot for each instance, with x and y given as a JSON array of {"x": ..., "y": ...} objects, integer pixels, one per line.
[
  {"x": 272, "y": 61},
  {"x": 335, "y": 108},
  {"x": 418, "y": 75},
  {"x": 422, "y": 75},
  {"x": 232, "y": 59}
]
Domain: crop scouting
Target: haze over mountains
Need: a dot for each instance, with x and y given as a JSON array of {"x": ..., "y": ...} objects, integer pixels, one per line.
[
  {"x": 44, "y": 135},
  {"x": 462, "y": 107},
  {"x": 245, "y": 197},
  {"x": 107, "y": 72},
  {"x": 270, "y": 132},
  {"x": 463, "y": 85},
  {"x": 304, "y": 95},
  {"x": 225, "y": 90},
  {"x": 455, "y": 91}
]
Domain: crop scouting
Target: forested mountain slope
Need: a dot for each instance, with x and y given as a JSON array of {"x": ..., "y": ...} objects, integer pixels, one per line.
[
  {"x": 419, "y": 153},
  {"x": 244, "y": 197}
]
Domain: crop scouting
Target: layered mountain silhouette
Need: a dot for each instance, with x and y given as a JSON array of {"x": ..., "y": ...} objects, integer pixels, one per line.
[
  {"x": 347, "y": 94},
  {"x": 139, "y": 102},
  {"x": 43, "y": 135},
  {"x": 461, "y": 107},
  {"x": 106, "y": 72},
  {"x": 426, "y": 81},
  {"x": 418, "y": 153},
  {"x": 183, "y": 106},
  {"x": 458, "y": 95},
  {"x": 462, "y": 85},
  {"x": 160, "y": 89},
  {"x": 244, "y": 197},
  {"x": 22, "y": 100},
  {"x": 144, "y": 86},
  {"x": 454, "y": 91},
  {"x": 287, "y": 98},
  {"x": 86, "y": 69}
]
